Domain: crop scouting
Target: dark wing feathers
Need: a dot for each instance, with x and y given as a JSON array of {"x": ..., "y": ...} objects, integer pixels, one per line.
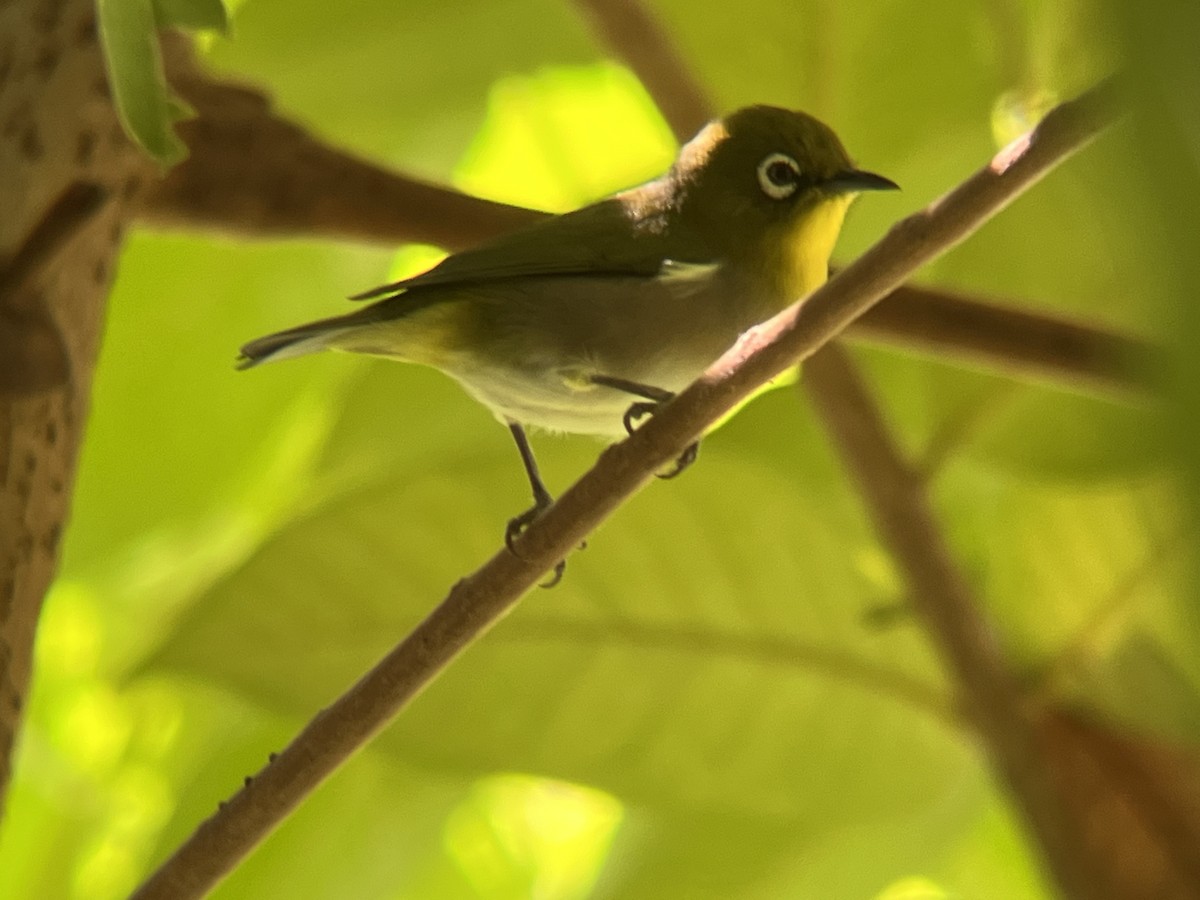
[{"x": 601, "y": 239}]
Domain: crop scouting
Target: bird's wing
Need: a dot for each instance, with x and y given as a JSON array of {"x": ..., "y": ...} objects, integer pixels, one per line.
[{"x": 606, "y": 238}]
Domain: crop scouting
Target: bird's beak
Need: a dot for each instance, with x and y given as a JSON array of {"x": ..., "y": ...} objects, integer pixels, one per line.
[{"x": 853, "y": 181}]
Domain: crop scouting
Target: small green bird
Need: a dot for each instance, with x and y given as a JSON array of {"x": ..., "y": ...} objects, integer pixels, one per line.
[{"x": 560, "y": 324}]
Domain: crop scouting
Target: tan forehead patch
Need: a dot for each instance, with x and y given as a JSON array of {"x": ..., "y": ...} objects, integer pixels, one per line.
[{"x": 695, "y": 153}]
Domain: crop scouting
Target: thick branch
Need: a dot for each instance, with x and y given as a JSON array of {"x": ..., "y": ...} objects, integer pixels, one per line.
[
  {"x": 481, "y": 599},
  {"x": 1138, "y": 797},
  {"x": 1019, "y": 342},
  {"x": 251, "y": 172}
]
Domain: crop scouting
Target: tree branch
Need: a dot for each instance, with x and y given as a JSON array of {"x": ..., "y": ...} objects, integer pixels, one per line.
[
  {"x": 629, "y": 27},
  {"x": 479, "y": 600},
  {"x": 896, "y": 503},
  {"x": 1018, "y": 342},
  {"x": 252, "y": 173},
  {"x": 1138, "y": 798},
  {"x": 233, "y": 183}
]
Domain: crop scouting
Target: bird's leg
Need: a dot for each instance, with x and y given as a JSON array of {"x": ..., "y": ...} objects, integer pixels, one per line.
[
  {"x": 541, "y": 501},
  {"x": 653, "y": 398}
]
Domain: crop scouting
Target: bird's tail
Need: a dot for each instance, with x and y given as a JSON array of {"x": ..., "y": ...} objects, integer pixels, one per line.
[
  {"x": 293, "y": 342},
  {"x": 339, "y": 331}
]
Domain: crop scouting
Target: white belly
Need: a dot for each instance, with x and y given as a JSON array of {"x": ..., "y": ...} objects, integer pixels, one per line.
[
  {"x": 561, "y": 401},
  {"x": 528, "y": 349}
]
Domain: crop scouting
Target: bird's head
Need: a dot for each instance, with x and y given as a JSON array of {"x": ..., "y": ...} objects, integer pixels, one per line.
[{"x": 767, "y": 175}]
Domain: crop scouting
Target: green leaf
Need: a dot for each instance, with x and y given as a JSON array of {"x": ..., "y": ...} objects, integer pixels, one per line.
[
  {"x": 565, "y": 137},
  {"x": 154, "y": 522},
  {"x": 130, "y": 40}
]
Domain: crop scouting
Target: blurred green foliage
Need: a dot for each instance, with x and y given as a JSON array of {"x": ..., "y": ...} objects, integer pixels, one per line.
[{"x": 703, "y": 708}]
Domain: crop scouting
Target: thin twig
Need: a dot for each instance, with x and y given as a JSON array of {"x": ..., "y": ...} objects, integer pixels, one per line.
[
  {"x": 481, "y": 599},
  {"x": 958, "y": 427},
  {"x": 1075, "y": 658}
]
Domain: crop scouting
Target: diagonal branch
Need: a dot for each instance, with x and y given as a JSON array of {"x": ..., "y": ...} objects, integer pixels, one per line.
[
  {"x": 478, "y": 601},
  {"x": 233, "y": 183}
]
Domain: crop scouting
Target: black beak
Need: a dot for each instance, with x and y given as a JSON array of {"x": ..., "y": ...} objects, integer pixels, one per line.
[{"x": 855, "y": 180}]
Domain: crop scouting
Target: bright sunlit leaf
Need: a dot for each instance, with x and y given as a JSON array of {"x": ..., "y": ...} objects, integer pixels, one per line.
[
  {"x": 565, "y": 137},
  {"x": 517, "y": 837}
]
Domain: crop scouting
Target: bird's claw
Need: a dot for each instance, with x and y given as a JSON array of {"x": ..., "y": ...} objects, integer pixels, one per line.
[
  {"x": 559, "y": 568},
  {"x": 644, "y": 408},
  {"x": 636, "y": 411},
  {"x": 516, "y": 527},
  {"x": 686, "y": 458}
]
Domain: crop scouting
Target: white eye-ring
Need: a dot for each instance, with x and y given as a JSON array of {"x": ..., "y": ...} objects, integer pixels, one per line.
[{"x": 779, "y": 176}]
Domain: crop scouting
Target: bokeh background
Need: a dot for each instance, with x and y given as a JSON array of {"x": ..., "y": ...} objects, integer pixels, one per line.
[{"x": 725, "y": 697}]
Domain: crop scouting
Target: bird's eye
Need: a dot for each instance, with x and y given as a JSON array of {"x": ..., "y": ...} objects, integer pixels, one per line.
[{"x": 778, "y": 176}]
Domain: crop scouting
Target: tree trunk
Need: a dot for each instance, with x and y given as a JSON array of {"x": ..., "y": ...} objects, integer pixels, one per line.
[{"x": 68, "y": 179}]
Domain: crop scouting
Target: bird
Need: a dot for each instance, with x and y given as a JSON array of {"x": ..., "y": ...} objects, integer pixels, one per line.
[{"x": 586, "y": 321}]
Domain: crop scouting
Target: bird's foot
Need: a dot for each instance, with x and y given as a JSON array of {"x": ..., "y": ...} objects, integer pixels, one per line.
[
  {"x": 638, "y": 411},
  {"x": 644, "y": 408},
  {"x": 685, "y": 459},
  {"x": 517, "y": 525}
]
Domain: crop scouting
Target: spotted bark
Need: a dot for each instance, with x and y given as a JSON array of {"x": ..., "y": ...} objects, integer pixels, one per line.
[{"x": 69, "y": 179}]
